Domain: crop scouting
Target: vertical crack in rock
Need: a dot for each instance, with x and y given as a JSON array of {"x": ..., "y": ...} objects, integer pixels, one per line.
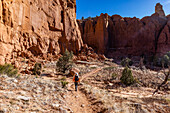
[
  {"x": 3, "y": 11},
  {"x": 158, "y": 36}
]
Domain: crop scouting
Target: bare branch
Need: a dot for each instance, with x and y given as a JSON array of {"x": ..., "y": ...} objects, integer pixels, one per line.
[{"x": 165, "y": 81}]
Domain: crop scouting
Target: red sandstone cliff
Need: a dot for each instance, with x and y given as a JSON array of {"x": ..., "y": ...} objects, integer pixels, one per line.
[
  {"x": 115, "y": 35},
  {"x": 37, "y": 27}
]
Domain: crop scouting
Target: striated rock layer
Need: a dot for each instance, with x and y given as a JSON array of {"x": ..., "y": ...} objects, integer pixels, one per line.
[
  {"x": 118, "y": 36},
  {"x": 37, "y": 27}
]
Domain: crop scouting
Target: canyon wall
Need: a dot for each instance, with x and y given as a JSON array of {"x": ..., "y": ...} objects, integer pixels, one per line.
[
  {"x": 118, "y": 36},
  {"x": 37, "y": 27}
]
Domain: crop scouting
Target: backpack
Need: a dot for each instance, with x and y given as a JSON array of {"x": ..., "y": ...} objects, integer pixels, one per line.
[{"x": 76, "y": 78}]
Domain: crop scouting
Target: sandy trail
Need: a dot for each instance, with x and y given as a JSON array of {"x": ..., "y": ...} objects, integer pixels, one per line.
[{"x": 77, "y": 101}]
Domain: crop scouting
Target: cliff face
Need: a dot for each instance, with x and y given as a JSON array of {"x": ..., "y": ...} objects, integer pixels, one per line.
[
  {"x": 118, "y": 36},
  {"x": 94, "y": 32},
  {"x": 37, "y": 27}
]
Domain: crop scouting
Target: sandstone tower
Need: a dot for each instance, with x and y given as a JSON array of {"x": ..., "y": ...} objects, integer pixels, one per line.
[{"x": 159, "y": 10}]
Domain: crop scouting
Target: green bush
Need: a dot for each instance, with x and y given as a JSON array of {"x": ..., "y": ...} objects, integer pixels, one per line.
[
  {"x": 168, "y": 53},
  {"x": 8, "y": 69},
  {"x": 127, "y": 77},
  {"x": 64, "y": 83},
  {"x": 126, "y": 62},
  {"x": 37, "y": 69},
  {"x": 163, "y": 61},
  {"x": 64, "y": 78},
  {"x": 109, "y": 68},
  {"x": 114, "y": 76},
  {"x": 65, "y": 62}
]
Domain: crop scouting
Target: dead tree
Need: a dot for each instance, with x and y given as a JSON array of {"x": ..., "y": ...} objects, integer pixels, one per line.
[
  {"x": 165, "y": 80},
  {"x": 141, "y": 65}
]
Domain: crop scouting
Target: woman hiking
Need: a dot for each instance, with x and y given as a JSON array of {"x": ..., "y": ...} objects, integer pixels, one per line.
[{"x": 76, "y": 80}]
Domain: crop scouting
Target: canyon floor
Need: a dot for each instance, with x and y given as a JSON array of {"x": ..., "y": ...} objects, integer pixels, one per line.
[{"x": 100, "y": 91}]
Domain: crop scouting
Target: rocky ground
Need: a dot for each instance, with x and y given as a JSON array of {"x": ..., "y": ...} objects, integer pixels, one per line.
[
  {"x": 99, "y": 91},
  {"x": 30, "y": 94}
]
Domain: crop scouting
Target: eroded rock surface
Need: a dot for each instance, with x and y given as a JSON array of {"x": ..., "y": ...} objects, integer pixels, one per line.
[
  {"x": 115, "y": 35},
  {"x": 39, "y": 27}
]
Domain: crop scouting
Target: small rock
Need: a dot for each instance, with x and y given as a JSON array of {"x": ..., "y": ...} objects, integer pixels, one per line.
[
  {"x": 55, "y": 106},
  {"x": 16, "y": 107},
  {"x": 24, "y": 98},
  {"x": 82, "y": 105},
  {"x": 62, "y": 110},
  {"x": 4, "y": 76}
]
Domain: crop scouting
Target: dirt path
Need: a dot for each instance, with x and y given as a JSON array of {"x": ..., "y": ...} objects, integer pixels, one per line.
[{"x": 77, "y": 101}]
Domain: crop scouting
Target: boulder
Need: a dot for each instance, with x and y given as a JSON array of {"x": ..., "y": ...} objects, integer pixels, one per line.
[
  {"x": 102, "y": 57},
  {"x": 73, "y": 71}
]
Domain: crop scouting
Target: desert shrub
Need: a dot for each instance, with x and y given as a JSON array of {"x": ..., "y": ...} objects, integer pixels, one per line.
[
  {"x": 126, "y": 62},
  {"x": 163, "y": 61},
  {"x": 114, "y": 76},
  {"x": 64, "y": 83},
  {"x": 65, "y": 62},
  {"x": 63, "y": 78},
  {"x": 127, "y": 77},
  {"x": 8, "y": 69},
  {"x": 109, "y": 68},
  {"x": 168, "y": 53},
  {"x": 37, "y": 69}
]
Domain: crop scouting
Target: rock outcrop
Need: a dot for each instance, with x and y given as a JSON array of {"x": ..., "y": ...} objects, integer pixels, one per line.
[
  {"x": 159, "y": 10},
  {"x": 118, "y": 36},
  {"x": 37, "y": 27},
  {"x": 164, "y": 39},
  {"x": 94, "y": 32}
]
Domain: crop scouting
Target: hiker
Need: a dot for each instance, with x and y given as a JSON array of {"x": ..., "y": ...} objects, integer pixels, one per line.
[{"x": 76, "y": 80}]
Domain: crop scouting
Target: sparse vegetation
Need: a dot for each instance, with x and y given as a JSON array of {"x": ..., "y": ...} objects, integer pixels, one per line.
[
  {"x": 165, "y": 80},
  {"x": 37, "y": 69},
  {"x": 8, "y": 69},
  {"x": 65, "y": 62},
  {"x": 114, "y": 76},
  {"x": 93, "y": 67},
  {"x": 127, "y": 77},
  {"x": 64, "y": 78},
  {"x": 108, "y": 68},
  {"x": 163, "y": 61},
  {"x": 126, "y": 62},
  {"x": 64, "y": 83}
]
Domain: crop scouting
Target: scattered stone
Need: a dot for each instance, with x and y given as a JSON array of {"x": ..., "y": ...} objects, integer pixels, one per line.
[
  {"x": 56, "y": 106},
  {"x": 24, "y": 98},
  {"x": 82, "y": 105}
]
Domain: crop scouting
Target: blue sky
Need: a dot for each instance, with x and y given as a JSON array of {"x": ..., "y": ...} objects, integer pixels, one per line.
[{"x": 125, "y": 8}]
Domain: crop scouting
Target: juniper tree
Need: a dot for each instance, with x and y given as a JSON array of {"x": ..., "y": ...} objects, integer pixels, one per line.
[
  {"x": 37, "y": 69},
  {"x": 65, "y": 62},
  {"x": 127, "y": 77},
  {"x": 165, "y": 60}
]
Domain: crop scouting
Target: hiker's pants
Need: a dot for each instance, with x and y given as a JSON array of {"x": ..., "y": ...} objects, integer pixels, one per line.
[{"x": 76, "y": 84}]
